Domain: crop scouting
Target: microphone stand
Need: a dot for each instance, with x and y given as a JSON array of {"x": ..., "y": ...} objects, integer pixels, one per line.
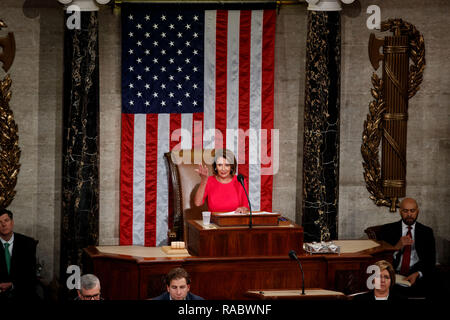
[
  {"x": 250, "y": 207},
  {"x": 240, "y": 178},
  {"x": 293, "y": 256}
]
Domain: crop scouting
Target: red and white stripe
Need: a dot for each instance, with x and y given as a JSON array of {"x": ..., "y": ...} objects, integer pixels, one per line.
[{"x": 238, "y": 94}]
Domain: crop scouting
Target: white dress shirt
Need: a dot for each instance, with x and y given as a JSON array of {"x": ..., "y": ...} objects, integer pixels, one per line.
[{"x": 11, "y": 244}]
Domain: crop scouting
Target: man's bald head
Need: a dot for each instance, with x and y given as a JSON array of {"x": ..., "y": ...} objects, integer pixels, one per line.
[
  {"x": 409, "y": 200},
  {"x": 409, "y": 210}
]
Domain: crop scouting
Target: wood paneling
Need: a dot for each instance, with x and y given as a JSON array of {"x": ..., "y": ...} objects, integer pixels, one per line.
[
  {"x": 244, "y": 220},
  {"x": 244, "y": 242},
  {"x": 128, "y": 277}
]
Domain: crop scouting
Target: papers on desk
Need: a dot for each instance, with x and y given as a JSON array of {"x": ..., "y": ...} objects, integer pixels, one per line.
[
  {"x": 401, "y": 280},
  {"x": 232, "y": 213},
  {"x": 265, "y": 212}
]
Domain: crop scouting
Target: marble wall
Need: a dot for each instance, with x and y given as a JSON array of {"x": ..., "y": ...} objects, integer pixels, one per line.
[
  {"x": 110, "y": 122},
  {"x": 428, "y": 151},
  {"x": 37, "y": 75},
  {"x": 290, "y": 58}
]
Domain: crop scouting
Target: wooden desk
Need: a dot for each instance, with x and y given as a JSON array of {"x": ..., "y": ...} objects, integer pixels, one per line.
[
  {"x": 243, "y": 219},
  {"x": 240, "y": 241},
  {"x": 138, "y": 272},
  {"x": 310, "y": 294}
]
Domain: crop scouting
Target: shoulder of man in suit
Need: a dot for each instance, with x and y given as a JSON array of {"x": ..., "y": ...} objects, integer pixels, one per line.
[
  {"x": 21, "y": 238},
  {"x": 423, "y": 227}
]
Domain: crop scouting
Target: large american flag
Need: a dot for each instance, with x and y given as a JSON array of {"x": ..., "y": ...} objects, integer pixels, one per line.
[{"x": 190, "y": 79}]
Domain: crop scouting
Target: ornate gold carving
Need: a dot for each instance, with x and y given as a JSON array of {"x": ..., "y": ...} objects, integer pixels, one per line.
[
  {"x": 395, "y": 116},
  {"x": 9, "y": 48},
  {"x": 416, "y": 51},
  {"x": 9, "y": 146},
  {"x": 395, "y": 49},
  {"x": 9, "y": 140},
  {"x": 394, "y": 183},
  {"x": 374, "y": 131},
  {"x": 371, "y": 144}
]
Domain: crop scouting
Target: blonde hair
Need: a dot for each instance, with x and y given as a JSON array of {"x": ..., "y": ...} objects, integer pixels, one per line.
[{"x": 385, "y": 265}]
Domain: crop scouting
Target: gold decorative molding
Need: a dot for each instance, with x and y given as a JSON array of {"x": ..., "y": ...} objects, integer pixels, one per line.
[
  {"x": 388, "y": 112},
  {"x": 416, "y": 51},
  {"x": 9, "y": 139},
  {"x": 8, "y": 45}
]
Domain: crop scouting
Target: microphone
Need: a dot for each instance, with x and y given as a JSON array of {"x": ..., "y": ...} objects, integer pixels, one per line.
[
  {"x": 293, "y": 256},
  {"x": 240, "y": 178}
]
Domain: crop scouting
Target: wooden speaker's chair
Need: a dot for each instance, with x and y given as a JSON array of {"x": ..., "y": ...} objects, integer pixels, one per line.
[
  {"x": 185, "y": 182},
  {"x": 372, "y": 232}
]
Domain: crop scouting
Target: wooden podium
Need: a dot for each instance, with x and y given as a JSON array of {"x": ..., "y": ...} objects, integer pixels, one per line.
[
  {"x": 241, "y": 241},
  {"x": 239, "y": 219},
  {"x": 137, "y": 272}
]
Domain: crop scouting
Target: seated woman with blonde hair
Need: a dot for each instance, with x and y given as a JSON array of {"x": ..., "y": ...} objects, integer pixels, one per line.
[
  {"x": 222, "y": 191},
  {"x": 384, "y": 283}
]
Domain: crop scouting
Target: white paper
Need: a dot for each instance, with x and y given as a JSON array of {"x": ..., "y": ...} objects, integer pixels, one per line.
[{"x": 232, "y": 213}]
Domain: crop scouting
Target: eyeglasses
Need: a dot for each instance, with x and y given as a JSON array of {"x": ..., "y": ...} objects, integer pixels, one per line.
[
  {"x": 413, "y": 210},
  {"x": 384, "y": 277},
  {"x": 91, "y": 297}
]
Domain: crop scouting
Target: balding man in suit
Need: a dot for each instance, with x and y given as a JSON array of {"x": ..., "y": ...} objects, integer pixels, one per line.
[{"x": 415, "y": 257}]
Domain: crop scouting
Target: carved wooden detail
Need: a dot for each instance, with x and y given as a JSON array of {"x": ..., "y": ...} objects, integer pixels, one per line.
[
  {"x": 9, "y": 138},
  {"x": 388, "y": 112}
]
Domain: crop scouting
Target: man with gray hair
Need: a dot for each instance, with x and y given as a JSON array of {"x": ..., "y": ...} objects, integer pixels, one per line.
[{"x": 89, "y": 288}]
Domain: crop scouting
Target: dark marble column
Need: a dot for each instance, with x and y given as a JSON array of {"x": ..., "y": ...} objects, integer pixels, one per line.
[
  {"x": 321, "y": 126},
  {"x": 80, "y": 180}
]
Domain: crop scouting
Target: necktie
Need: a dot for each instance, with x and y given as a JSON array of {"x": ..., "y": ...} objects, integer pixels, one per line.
[
  {"x": 7, "y": 257},
  {"x": 404, "y": 270}
]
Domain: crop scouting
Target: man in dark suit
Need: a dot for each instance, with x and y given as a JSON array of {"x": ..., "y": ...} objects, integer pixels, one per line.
[
  {"x": 17, "y": 261},
  {"x": 178, "y": 284},
  {"x": 415, "y": 257}
]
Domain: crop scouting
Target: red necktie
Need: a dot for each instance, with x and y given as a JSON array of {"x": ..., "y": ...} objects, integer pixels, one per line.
[{"x": 404, "y": 270}]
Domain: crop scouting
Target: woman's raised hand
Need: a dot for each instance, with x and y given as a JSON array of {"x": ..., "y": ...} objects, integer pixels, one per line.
[{"x": 202, "y": 171}]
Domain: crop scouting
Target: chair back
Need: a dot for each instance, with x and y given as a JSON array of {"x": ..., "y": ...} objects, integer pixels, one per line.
[
  {"x": 372, "y": 232},
  {"x": 185, "y": 182}
]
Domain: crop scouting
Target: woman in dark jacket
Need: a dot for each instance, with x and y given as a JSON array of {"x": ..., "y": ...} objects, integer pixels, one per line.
[{"x": 384, "y": 283}]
